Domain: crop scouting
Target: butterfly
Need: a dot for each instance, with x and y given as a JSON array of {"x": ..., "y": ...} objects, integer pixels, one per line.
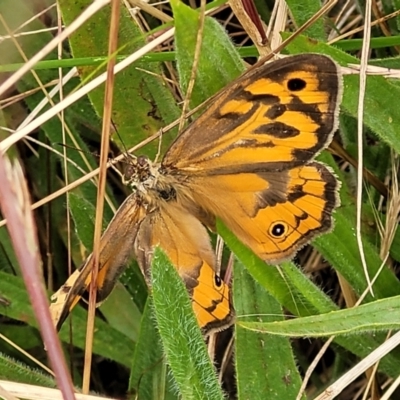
[{"x": 248, "y": 160}]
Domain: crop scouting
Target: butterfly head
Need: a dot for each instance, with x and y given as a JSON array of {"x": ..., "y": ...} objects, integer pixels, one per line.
[{"x": 140, "y": 174}]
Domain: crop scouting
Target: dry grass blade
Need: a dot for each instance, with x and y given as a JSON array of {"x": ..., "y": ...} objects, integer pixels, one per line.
[
  {"x": 98, "y": 4},
  {"x": 4, "y": 394},
  {"x": 363, "y": 83},
  {"x": 392, "y": 213},
  {"x": 71, "y": 99},
  {"x": 196, "y": 59},
  {"x": 32, "y": 392},
  {"x": 15, "y": 205},
  {"x": 26, "y": 354},
  {"x": 337, "y": 387},
  {"x": 105, "y": 140}
]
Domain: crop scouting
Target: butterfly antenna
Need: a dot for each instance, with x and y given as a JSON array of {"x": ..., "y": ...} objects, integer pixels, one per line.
[
  {"x": 125, "y": 150},
  {"x": 128, "y": 158},
  {"x": 92, "y": 153}
]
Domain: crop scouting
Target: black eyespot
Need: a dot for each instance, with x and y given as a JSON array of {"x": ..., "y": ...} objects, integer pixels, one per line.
[
  {"x": 218, "y": 280},
  {"x": 296, "y": 84},
  {"x": 278, "y": 230}
]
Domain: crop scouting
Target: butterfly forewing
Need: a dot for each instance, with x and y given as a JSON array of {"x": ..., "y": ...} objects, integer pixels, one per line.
[
  {"x": 275, "y": 117},
  {"x": 116, "y": 246}
]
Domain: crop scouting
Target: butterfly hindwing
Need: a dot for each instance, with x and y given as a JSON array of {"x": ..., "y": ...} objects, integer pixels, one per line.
[
  {"x": 273, "y": 213},
  {"x": 186, "y": 243}
]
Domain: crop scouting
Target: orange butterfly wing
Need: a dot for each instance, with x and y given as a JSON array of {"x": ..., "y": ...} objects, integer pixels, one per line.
[
  {"x": 116, "y": 247},
  {"x": 248, "y": 159},
  {"x": 186, "y": 243},
  {"x": 273, "y": 213},
  {"x": 277, "y": 116}
]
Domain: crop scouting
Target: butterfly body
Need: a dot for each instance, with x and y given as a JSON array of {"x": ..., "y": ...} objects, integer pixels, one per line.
[{"x": 248, "y": 160}]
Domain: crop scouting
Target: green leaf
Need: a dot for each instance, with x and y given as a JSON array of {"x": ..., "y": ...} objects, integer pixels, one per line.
[
  {"x": 281, "y": 380},
  {"x": 149, "y": 379},
  {"x": 215, "y": 68},
  {"x": 142, "y": 103},
  {"x": 13, "y": 370},
  {"x": 302, "y": 11},
  {"x": 375, "y": 43},
  {"x": 374, "y": 316}
]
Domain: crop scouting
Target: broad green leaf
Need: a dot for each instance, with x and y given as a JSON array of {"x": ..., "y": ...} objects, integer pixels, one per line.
[
  {"x": 183, "y": 343},
  {"x": 374, "y": 316},
  {"x": 142, "y": 104},
  {"x": 281, "y": 379},
  {"x": 302, "y": 11},
  {"x": 215, "y": 68},
  {"x": 149, "y": 378}
]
